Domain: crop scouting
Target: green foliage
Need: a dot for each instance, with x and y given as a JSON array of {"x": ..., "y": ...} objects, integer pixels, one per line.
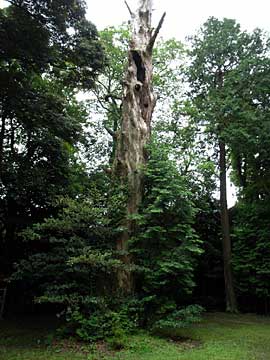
[
  {"x": 249, "y": 134},
  {"x": 209, "y": 291},
  {"x": 179, "y": 319},
  {"x": 80, "y": 231},
  {"x": 166, "y": 246},
  {"x": 48, "y": 50},
  {"x": 70, "y": 258},
  {"x": 228, "y": 73},
  {"x": 109, "y": 319},
  {"x": 218, "y": 51},
  {"x": 245, "y": 104},
  {"x": 219, "y": 47},
  {"x": 52, "y": 36},
  {"x": 75, "y": 262},
  {"x": 168, "y": 64},
  {"x": 251, "y": 258}
]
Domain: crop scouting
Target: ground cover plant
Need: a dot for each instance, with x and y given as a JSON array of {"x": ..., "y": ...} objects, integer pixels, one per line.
[{"x": 218, "y": 337}]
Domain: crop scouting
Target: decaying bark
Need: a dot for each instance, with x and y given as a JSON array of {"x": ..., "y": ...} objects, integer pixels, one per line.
[{"x": 138, "y": 105}]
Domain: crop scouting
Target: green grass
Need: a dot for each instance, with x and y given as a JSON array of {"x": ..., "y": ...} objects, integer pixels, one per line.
[{"x": 218, "y": 337}]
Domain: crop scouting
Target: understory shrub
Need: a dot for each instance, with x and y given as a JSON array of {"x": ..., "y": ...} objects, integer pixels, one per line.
[
  {"x": 166, "y": 246},
  {"x": 75, "y": 261},
  {"x": 251, "y": 254},
  {"x": 178, "y": 319},
  {"x": 111, "y": 320}
]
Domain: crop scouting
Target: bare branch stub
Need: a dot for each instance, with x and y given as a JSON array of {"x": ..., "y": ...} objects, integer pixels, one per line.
[
  {"x": 129, "y": 9},
  {"x": 156, "y": 32},
  {"x": 111, "y": 132}
]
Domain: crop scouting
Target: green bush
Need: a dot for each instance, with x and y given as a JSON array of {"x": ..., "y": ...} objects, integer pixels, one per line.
[
  {"x": 166, "y": 247},
  {"x": 179, "y": 319},
  {"x": 75, "y": 263},
  {"x": 102, "y": 323},
  {"x": 251, "y": 253}
]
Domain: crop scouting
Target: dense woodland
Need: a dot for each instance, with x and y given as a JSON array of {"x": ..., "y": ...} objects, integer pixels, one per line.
[{"x": 116, "y": 152}]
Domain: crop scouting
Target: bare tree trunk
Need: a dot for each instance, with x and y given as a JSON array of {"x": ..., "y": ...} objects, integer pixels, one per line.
[
  {"x": 138, "y": 105},
  {"x": 2, "y": 137},
  {"x": 231, "y": 304}
]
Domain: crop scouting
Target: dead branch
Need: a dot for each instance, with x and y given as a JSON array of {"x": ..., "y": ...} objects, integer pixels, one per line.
[
  {"x": 110, "y": 131},
  {"x": 129, "y": 9},
  {"x": 112, "y": 97},
  {"x": 154, "y": 36}
]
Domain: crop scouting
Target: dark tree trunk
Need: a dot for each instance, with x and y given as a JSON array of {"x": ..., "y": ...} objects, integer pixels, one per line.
[
  {"x": 231, "y": 304},
  {"x": 138, "y": 105},
  {"x": 2, "y": 137},
  {"x": 12, "y": 138}
]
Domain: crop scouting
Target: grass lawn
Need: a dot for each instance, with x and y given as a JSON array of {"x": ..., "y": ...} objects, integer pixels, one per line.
[{"x": 218, "y": 337}]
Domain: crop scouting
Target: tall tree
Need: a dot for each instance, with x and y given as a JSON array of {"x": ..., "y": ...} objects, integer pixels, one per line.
[
  {"x": 249, "y": 140},
  {"x": 47, "y": 51},
  {"x": 137, "y": 109},
  {"x": 219, "y": 48}
]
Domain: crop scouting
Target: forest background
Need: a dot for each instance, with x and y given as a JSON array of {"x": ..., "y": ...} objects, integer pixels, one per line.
[{"x": 65, "y": 195}]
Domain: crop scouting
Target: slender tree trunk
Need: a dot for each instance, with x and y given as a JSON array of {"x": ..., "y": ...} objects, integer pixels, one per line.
[
  {"x": 2, "y": 137},
  {"x": 12, "y": 138},
  {"x": 231, "y": 305},
  {"x": 138, "y": 105}
]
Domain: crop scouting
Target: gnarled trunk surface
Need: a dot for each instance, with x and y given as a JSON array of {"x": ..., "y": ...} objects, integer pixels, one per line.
[{"x": 137, "y": 108}]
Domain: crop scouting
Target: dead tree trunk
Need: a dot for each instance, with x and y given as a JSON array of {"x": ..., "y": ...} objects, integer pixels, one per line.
[
  {"x": 231, "y": 304},
  {"x": 137, "y": 108}
]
